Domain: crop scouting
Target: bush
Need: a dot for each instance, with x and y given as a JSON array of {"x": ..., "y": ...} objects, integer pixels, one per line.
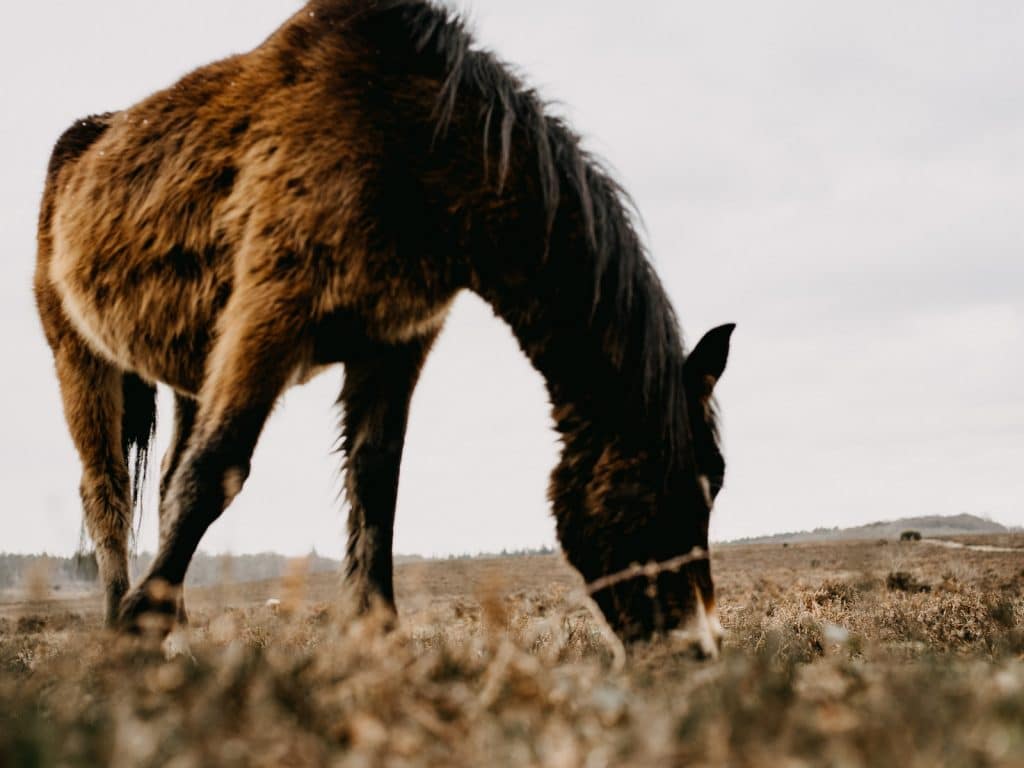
[{"x": 901, "y": 581}]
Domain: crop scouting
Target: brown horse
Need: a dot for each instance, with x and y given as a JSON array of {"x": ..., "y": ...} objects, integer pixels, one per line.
[{"x": 320, "y": 200}]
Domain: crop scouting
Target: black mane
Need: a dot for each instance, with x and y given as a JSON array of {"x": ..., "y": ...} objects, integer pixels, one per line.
[{"x": 628, "y": 304}]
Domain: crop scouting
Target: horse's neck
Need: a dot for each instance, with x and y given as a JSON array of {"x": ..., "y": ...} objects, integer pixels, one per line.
[{"x": 592, "y": 347}]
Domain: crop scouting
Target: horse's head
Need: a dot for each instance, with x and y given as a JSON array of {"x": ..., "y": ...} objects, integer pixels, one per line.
[{"x": 647, "y": 563}]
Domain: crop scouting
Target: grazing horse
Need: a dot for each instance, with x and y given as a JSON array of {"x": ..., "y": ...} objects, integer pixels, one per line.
[{"x": 322, "y": 199}]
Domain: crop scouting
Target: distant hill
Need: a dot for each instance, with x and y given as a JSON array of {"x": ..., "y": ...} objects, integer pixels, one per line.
[{"x": 928, "y": 526}]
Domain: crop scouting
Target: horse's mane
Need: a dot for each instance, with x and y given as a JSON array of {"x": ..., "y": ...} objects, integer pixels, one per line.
[{"x": 629, "y": 306}]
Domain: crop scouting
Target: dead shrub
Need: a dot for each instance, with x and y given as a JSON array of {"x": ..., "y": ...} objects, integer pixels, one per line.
[
  {"x": 1004, "y": 612},
  {"x": 31, "y": 625},
  {"x": 902, "y": 581},
  {"x": 836, "y": 592}
]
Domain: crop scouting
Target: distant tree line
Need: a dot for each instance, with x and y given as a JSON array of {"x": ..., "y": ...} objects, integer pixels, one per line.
[
  {"x": 79, "y": 568},
  {"x": 525, "y": 552},
  {"x": 205, "y": 570}
]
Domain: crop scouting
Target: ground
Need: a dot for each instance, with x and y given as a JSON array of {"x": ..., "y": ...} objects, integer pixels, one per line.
[{"x": 845, "y": 654}]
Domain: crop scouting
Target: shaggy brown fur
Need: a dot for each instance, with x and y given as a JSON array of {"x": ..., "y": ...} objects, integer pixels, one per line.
[{"x": 321, "y": 200}]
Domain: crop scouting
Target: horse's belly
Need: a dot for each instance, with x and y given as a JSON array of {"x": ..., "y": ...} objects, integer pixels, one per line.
[{"x": 160, "y": 329}]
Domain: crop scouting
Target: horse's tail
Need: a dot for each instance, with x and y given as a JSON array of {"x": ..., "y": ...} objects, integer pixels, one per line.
[{"x": 138, "y": 428}]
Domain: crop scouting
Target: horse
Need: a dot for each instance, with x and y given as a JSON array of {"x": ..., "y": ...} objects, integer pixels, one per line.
[{"x": 321, "y": 200}]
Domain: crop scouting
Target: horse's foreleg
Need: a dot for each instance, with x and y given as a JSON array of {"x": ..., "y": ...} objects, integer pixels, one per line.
[
  {"x": 93, "y": 403},
  {"x": 375, "y": 398},
  {"x": 249, "y": 367},
  {"x": 184, "y": 422}
]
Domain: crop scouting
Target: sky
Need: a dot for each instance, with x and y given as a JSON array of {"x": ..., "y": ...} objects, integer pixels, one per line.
[{"x": 844, "y": 181}]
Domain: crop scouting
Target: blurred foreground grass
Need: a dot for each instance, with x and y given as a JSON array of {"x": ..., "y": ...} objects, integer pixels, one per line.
[{"x": 830, "y": 660}]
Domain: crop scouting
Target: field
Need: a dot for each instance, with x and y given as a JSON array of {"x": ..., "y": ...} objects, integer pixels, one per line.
[{"x": 847, "y": 654}]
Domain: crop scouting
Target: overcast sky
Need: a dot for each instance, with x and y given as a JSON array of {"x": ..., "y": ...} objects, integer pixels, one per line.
[{"x": 844, "y": 181}]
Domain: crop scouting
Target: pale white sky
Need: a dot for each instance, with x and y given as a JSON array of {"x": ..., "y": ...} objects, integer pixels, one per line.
[{"x": 845, "y": 181}]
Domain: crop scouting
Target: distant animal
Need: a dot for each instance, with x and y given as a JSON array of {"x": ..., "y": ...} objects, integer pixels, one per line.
[
  {"x": 910, "y": 536},
  {"x": 322, "y": 199}
]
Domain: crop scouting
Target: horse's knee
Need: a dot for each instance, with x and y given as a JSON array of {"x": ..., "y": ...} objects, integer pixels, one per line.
[
  {"x": 106, "y": 505},
  {"x": 206, "y": 474},
  {"x": 199, "y": 491},
  {"x": 108, "y": 519}
]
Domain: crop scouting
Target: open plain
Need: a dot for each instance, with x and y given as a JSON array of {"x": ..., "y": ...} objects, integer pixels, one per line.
[{"x": 843, "y": 654}]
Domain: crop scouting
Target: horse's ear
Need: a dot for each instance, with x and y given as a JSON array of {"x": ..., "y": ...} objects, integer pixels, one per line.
[{"x": 706, "y": 363}]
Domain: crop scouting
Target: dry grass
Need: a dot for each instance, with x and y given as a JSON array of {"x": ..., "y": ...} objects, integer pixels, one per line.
[{"x": 498, "y": 662}]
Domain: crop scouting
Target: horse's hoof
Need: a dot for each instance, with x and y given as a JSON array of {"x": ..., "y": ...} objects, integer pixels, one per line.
[{"x": 149, "y": 610}]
